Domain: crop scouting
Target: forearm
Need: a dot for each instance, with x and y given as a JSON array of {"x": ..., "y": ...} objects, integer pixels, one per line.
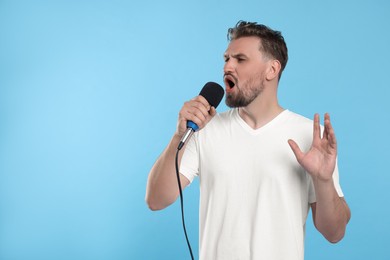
[
  {"x": 331, "y": 212},
  {"x": 162, "y": 188}
]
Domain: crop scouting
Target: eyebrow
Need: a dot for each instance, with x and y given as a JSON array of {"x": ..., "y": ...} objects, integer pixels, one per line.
[{"x": 236, "y": 56}]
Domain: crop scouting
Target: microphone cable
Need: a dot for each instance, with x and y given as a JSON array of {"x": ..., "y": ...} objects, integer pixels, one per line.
[
  {"x": 181, "y": 202},
  {"x": 213, "y": 93}
]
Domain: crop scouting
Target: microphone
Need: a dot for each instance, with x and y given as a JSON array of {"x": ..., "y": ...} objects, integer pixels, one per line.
[{"x": 213, "y": 93}]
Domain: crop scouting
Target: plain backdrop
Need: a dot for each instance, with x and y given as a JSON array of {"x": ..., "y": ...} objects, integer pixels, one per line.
[{"x": 89, "y": 97}]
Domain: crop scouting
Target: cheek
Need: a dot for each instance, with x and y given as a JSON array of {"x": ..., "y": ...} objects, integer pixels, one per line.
[{"x": 252, "y": 70}]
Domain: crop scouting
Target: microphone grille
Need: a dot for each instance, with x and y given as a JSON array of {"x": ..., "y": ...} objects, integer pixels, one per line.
[{"x": 213, "y": 93}]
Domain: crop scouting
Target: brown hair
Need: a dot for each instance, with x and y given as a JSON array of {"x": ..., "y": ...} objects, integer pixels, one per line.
[{"x": 272, "y": 42}]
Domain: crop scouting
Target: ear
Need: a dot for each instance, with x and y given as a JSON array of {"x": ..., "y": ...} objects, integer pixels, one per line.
[{"x": 273, "y": 70}]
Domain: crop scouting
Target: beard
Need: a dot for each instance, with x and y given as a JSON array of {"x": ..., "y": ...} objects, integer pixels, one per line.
[{"x": 247, "y": 92}]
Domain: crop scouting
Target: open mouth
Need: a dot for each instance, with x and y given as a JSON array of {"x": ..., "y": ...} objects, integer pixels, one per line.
[{"x": 230, "y": 81}]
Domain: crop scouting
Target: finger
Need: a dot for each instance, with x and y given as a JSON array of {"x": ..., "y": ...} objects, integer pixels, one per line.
[
  {"x": 181, "y": 126},
  {"x": 203, "y": 101},
  {"x": 195, "y": 106},
  {"x": 296, "y": 150},
  {"x": 212, "y": 111},
  {"x": 316, "y": 127},
  {"x": 330, "y": 134},
  {"x": 188, "y": 112},
  {"x": 198, "y": 110},
  {"x": 195, "y": 111},
  {"x": 195, "y": 116},
  {"x": 326, "y": 127},
  {"x": 325, "y": 134}
]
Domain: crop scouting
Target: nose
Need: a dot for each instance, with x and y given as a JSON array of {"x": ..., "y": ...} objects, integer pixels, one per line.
[{"x": 228, "y": 67}]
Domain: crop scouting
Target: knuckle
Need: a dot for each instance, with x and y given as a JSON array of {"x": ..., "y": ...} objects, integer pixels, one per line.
[{"x": 199, "y": 113}]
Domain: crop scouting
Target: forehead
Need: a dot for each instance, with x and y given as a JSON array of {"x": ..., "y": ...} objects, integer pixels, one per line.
[{"x": 244, "y": 45}]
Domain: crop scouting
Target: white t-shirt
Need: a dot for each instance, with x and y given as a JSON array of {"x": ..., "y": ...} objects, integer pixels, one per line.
[{"x": 254, "y": 196}]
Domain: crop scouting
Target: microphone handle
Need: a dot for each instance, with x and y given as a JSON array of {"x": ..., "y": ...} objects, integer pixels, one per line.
[
  {"x": 185, "y": 137},
  {"x": 191, "y": 128}
]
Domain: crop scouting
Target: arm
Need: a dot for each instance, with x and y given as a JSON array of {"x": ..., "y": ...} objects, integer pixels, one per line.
[
  {"x": 162, "y": 188},
  {"x": 330, "y": 212}
]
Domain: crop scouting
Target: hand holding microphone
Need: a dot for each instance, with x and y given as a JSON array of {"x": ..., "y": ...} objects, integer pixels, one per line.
[{"x": 196, "y": 113}]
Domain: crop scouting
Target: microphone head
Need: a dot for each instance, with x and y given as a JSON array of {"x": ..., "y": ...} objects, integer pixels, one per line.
[{"x": 213, "y": 93}]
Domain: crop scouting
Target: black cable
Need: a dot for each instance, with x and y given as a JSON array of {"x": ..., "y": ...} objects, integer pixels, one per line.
[{"x": 181, "y": 202}]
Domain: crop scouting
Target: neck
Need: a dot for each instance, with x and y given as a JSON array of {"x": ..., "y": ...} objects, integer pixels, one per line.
[{"x": 261, "y": 110}]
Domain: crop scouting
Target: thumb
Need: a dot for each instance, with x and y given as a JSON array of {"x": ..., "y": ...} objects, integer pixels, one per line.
[
  {"x": 212, "y": 111},
  {"x": 181, "y": 127},
  {"x": 296, "y": 150}
]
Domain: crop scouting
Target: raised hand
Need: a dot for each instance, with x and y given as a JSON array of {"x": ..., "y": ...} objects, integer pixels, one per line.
[{"x": 320, "y": 160}]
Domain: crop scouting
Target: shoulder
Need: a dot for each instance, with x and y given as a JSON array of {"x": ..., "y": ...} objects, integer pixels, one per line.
[
  {"x": 219, "y": 125},
  {"x": 299, "y": 128},
  {"x": 297, "y": 122},
  {"x": 295, "y": 118},
  {"x": 227, "y": 115},
  {"x": 223, "y": 118}
]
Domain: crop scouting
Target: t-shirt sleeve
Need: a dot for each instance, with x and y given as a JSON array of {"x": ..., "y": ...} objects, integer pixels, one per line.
[
  {"x": 189, "y": 165},
  {"x": 312, "y": 194}
]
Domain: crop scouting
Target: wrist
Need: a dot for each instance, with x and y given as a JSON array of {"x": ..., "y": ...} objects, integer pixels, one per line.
[
  {"x": 317, "y": 181},
  {"x": 324, "y": 188},
  {"x": 176, "y": 138}
]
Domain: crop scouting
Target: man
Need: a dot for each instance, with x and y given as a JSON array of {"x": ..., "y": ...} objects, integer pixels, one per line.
[{"x": 256, "y": 183}]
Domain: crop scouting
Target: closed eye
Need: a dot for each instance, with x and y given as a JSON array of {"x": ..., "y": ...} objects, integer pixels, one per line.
[{"x": 239, "y": 57}]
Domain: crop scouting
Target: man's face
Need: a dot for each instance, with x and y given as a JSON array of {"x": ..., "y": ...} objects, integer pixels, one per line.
[{"x": 244, "y": 71}]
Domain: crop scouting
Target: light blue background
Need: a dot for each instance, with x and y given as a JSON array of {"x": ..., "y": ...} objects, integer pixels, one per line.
[{"x": 89, "y": 96}]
